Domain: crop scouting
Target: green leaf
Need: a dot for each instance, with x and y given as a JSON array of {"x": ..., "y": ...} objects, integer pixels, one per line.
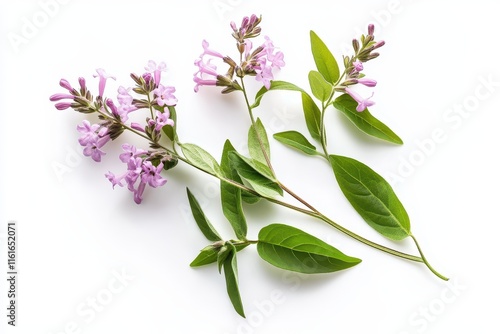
[
  {"x": 231, "y": 195},
  {"x": 275, "y": 85},
  {"x": 257, "y": 148},
  {"x": 209, "y": 254},
  {"x": 296, "y": 140},
  {"x": 260, "y": 183},
  {"x": 292, "y": 249},
  {"x": 365, "y": 121},
  {"x": 230, "y": 173},
  {"x": 201, "y": 158},
  {"x": 320, "y": 88},
  {"x": 325, "y": 61},
  {"x": 203, "y": 223},
  {"x": 171, "y": 131},
  {"x": 372, "y": 197},
  {"x": 312, "y": 115},
  {"x": 231, "y": 274},
  {"x": 232, "y": 209}
]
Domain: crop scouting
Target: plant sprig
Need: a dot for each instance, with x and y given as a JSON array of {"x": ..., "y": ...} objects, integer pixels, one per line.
[{"x": 246, "y": 179}]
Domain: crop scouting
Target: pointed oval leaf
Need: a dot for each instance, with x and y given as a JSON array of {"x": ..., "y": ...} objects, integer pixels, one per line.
[
  {"x": 312, "y": 115},
  {"x": 232, "y": 208},
  {"x": 258, "y": 143},
  {"x": 372, "y": 197},
  {"x": 231, "y": 274},
  {"x": 324, "y": 59},
  {"x": 296, "y": 140},
  {"x": 365, "y": 121},
  {"x": 207, "y": 255},
  {"x": 320, "y": 88},
  {"x": 201, "y": 158},
  {"x": 203, "y": 223},
  {"x": 260, "y": 183},
  {"x": 231, "y": 196},
  {"x": 292, "y": 249},
  {"x": 230, "y": 173}
]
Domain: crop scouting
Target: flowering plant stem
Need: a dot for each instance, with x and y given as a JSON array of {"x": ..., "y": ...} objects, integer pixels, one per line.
[
  {"x": 249, "y": 178},
  {"x": 313, "y": 212}
]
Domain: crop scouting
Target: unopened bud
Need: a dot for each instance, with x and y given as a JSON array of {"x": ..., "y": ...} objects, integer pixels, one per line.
[
  {"x": 371, "y": 29},
  {"x": 378, "y": 44},
  {"x": 355, "y": 45}
]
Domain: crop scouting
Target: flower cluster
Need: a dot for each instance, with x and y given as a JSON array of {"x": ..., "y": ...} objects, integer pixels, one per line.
[
  {"x": 140, "y": 172},
  {"x": 143, "y": 167},
  {"x": 354, "y": 65},
  {"x": 259, "y": 62}
]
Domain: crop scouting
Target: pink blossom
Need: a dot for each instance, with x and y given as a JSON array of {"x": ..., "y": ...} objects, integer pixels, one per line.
[
  {"x": 162, "y": 119},
  {"x": 130, "y": 151},
  {"x": 93, "y": 149},
  {"x": 362, "y": 103},
  {"x": 206, "y": 74},
  {"x": 88, "y": 132},
  {"x": 367, "y": 82},
  {"x": 151, "y": 174},
  {"x": 156, "y": 70},
  {"x": 103, "y": 76},
  {"x": 165, "y": 96},
  {"x": 208, "y": 51},
  {"x": 358, "y": 66},
  {"x": 265, "y": 76},
  {"x": 277, "y": 60}
]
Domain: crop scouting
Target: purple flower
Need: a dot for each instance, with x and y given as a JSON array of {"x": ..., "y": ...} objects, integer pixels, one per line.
[
  {"x": 165, "y": 96},
  {"x": 93, "y": 149},
  {"x": 103, "y": 76},
  {"x": 206, "y": 75},
  {"x": 162, "y": 119},
  {"x": 138, "y": 170},
  {"x": 93, "y": 138},
  {"x": 151, "y": 174},
  {"x": 265, "y": 76},
  {"x": 88, "y": 132},
  {"x": 362, "y": 103},
  {"x": 130, "y": 151},
  {"x": 208, "y": 51},
  {"x": 358, "y": 66},
  {"x": 277, "y": 60},
  {"x": 124, "y": 95},
  {"x": 156, "y": 70},
  {"x": 113, "y": 179},
  {"x": 367, "y": 82}
]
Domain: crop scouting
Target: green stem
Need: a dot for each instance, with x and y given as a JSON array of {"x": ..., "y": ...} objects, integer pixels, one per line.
[
  {"x": 311, "y": 211},
  {"x": 323, "y": 130},
  {"x": 252, "y": 119},
  {"x": 425, "y": 260},
  {"x": 150, "y": 107}
]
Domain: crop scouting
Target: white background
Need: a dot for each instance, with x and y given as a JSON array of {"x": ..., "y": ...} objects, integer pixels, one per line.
[{"x": 76, "y": 233}]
